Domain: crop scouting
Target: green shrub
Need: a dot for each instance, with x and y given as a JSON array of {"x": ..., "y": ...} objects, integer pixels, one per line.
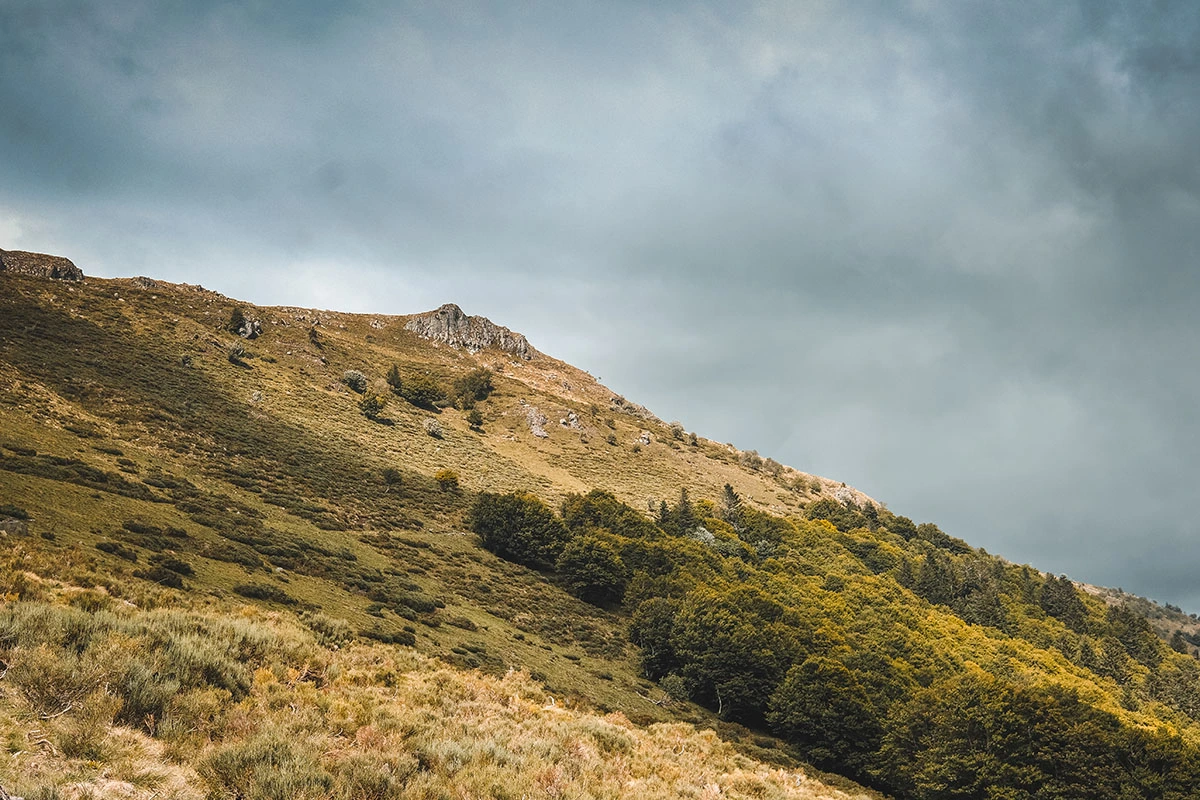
[
  {"x": 118, "y": 550},
  {"x": 161, "y": 576},
  {"x": 355, "y": 380},
  {"x": 372, "y": 405},
  {"x": 262, "y": 591},
  {"x": 422, "y": 390}
]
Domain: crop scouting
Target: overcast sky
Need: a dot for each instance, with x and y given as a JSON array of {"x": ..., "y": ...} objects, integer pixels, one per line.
[{"x": 946, "y": 252}]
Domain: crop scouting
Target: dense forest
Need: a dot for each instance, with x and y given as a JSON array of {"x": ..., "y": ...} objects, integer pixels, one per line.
[{"x": 887, "y": 650}]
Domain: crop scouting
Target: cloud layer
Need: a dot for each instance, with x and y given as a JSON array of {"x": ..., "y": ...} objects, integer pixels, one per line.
[{"x": 946, "y": 252}]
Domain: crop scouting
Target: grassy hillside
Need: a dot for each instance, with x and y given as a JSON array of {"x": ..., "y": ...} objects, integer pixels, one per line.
[{"x": 218, "y": 557}]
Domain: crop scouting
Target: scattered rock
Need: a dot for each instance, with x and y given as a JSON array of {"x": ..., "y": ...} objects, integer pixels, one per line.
[
  {"x": 433, "y": 428},
  {"x": 644, "y": 437},
  {"x": 450, "y": 325},
  {"x": 39, "y": 265},
  {"x": 537, "y": 421},
  {"x": 571, "y": 420},
  {"x": 376, "y": 324},
  {"x": 14, "y": 526},
  {"x": 142, "y": 282},
  {"x": 251, "y": 328}
]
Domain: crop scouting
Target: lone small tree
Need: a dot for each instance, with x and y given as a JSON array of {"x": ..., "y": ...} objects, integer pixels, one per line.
[
  {"x": 391, "y": 477},
  {"x": 237, "y": 320},
  {"x": 394, "y": 380}
]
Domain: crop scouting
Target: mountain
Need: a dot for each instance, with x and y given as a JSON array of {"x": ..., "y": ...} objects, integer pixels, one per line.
[{"x": 279, "y": 552}]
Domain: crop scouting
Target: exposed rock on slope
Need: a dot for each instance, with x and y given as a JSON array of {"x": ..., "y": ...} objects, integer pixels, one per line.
[
  {"x": 39, "y": 265},
  {"x": 450, "y": 325}
]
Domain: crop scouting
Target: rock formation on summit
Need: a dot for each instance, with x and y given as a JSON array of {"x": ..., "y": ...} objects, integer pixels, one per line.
[
  {"x": 39, "y": 265},
  {"x": 450, "y": 325}
]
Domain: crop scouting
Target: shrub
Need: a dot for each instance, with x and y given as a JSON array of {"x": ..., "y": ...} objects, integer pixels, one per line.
[
  {"x": 475, "y": 419},
  {"x": 519, "y": 527},
  {"x": 372, "y": 405},
  {"x": 330, "y": 631},
  {"x": 677, "y": 431},
  {"x": 355, "y": 380},
  {"x": 262, "y": 591},
  {"x": 674, "y": 686},
  {"x": 16, "y": 512},
  {"x": 173, "y": 564},
  {"x": 422, "y": 390},
  {"x": 447, "y": 480},
  {"x": 237, "y": 354},
  {"x": 118, "y": 550},
  {"x": 433, "y": 428},
  {"x": 161, "y": 576},
  {"x": 268, "y": 767}
]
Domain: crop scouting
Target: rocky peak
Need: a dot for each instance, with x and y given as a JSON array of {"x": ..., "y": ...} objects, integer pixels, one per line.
[
  {"x": 450, "y": 325},
  {"x": 39, "y": 265}
]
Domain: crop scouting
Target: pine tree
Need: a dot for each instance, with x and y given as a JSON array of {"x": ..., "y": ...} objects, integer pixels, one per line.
[{"x": 731, "y": 507}]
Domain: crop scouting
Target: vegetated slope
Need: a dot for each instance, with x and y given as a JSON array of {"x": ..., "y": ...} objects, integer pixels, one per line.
[{"x": 165, "y": 461}]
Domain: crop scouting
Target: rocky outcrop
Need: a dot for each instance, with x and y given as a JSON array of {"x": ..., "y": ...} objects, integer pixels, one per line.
[
  {"x": 450, "y": 325},
  {"x": 39, "y": 265}
]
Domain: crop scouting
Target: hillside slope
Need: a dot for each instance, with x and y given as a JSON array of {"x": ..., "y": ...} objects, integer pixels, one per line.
[{"x": 173, "y": 463}]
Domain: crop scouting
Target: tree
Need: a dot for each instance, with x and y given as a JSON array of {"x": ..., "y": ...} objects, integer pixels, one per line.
[
  {"x": 519, "y": 527},
  {"x": 731, "y": 507},
  {"x": 650, "y": 629},
  {"x": 1060, "y": 600},
  {"x": 683, "y": 518},
  {"x": 237, "y": 320},
  {"x": 822, "y": 706},
  {"x": 593, "y": 570},
  {"x": 734, "y": 647},
  {"x": 394, "y": 380},
  {"x": 474, "y": 386},
  {"x": 391, "y": 477}
]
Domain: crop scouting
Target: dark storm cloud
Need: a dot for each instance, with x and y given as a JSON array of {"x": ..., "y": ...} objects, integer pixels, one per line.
[{"x": 943, "y": 251}]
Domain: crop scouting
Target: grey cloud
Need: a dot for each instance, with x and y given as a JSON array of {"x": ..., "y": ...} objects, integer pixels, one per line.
[{"x": 945, "y": 252}]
